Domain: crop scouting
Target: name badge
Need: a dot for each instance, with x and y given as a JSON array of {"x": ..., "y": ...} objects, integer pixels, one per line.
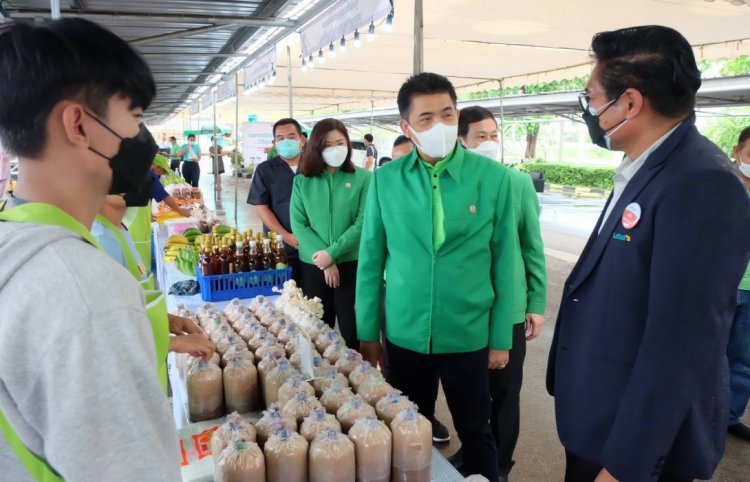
[{"x": 631, "y": 216}]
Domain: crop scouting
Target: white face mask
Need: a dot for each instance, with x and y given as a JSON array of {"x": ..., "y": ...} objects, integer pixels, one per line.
[
  {"x": 487, "y": 149},
  {"x": 744, "y": 169},
  {"x": 437, "y": 141},
  {"x": 190, "y": 143},
  {"x": 335, "y": 156}
]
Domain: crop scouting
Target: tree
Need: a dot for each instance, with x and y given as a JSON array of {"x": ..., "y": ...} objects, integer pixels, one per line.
[
  {"x": 725, "y": 131},
  {"x": 532, "y": 135}
]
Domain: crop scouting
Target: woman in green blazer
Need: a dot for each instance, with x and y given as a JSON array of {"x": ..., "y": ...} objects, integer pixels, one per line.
[{"x": 327, "y": 210}]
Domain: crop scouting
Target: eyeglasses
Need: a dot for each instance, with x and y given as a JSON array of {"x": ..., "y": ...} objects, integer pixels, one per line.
[{"x": 584, "y": 99}]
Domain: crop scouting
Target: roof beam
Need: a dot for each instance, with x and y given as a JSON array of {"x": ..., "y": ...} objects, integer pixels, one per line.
[{"x": 181, "y": 34}]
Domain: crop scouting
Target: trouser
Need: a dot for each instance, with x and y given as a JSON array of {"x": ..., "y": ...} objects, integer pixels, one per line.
[
  {"x": 738, "y": 353},
  {"x": 505, "y": 390},
  {"x": 294, "y": 264},
  {"x": 191, "y": 171},
  {"x": 578, "y": 469},
  {"x": 338, "y": 303},
  {"x": 465, "y": 383},
  {"x": 174, "y": 164}
]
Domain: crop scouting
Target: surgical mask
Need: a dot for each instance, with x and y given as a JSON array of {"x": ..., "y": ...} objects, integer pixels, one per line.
[
  {"x": 142, "y": 196},
  {"x": 487, "y": 149},
  {"x": 335, "y": 156},
  {"x": 744, "y": 169},
  {"x": 599, "y": 136},
  {"x": 133, "y": 159},
  {"x": 437, "y": 141},
  {"x": 288, "y": 148}
]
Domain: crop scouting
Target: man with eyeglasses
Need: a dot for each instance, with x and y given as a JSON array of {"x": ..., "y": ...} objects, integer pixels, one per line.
[{"x": 638, "y": 361}]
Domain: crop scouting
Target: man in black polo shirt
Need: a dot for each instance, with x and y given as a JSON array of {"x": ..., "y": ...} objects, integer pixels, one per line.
[{"x": 271, "y": 190}]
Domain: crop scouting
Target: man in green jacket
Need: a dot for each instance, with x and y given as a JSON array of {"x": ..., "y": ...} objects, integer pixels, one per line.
[
  {"x": 442, "y": 229},
  {"x": 477, "y": 131}
]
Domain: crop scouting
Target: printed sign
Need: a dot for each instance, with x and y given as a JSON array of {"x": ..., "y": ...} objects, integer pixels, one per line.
[{"x": 257, "y": 138}]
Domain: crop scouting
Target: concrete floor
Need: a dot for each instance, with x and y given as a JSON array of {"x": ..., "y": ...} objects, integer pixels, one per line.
[{"x": 539, "y": 455}]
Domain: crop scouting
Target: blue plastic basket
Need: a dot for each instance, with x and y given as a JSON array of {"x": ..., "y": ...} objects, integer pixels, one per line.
[{"x": 241, "y": 285}]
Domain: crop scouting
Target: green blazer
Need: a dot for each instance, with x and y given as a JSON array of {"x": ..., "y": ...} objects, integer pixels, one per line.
[
  {"x": 464, "y": 297},
  {"x": 327, "y": 212}
]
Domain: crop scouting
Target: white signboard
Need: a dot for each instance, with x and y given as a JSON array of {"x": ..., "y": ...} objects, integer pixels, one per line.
[
  {"x": 257, "y": 138},
  {"x": 343, "y": 18},
  {"x": 227, "y": 90},
  {"x": 208, "y": 99},
  {"x": 262, "y": 67},
  {"x": 195, "y": 107}
]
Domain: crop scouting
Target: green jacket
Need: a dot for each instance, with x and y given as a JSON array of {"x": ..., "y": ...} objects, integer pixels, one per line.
[
  {"x": 327, "y": 213},
  {"x": 465, "y": 296},
  {"x": 531, "y": 265}
]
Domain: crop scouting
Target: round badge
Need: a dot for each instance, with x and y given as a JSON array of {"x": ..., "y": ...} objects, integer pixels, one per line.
[{"x": 631, "y": 216}]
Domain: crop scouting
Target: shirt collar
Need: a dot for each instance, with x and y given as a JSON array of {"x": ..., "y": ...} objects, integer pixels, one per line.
[
  {"x": 452, "y": 163},
  {"x": 628, "y": 167}
]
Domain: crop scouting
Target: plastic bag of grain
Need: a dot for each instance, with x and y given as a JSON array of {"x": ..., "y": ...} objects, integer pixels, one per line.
[
  {"x": 231, "y": 340},
  {"x": 234, "y": 427},
  {"x": 205, "y": 392},
  {"x": 290, "y": 388},
  {"x": 301, "y": 405},
  {"x": 270, "y": 419},
  {"x": 265, "y": 366},
  {"x": 372, "y": 448},
  {"x": 292, "y": 347},
  {"x": 349, "y": 362},
  {"x": 250, "y": 329},
  {"x": 390, "y": 405},
  {"x": 278, "y": 326},
  {"x": 241, "y": 391},
  {"x": 335, "y": 351},
  {"x": 412, "y": 447},
  {"x": 275, "y": 379},
  {"x": 330, "y": 377},
  {"x": 237, "y": 351},
  {"x": 373, "y": 389},
  {"x": 288, "y": 333},
  {"x": 269, "y": 347},
  {"x": 361, "y": 373},
  {"x": 234, "y": 310},
  {"x": 320, "y": 366},
  {"x": 352, "y": 411},
  {"x": 332, "y": 458},
  {"x": 318, "y": 421},
  {"x": 316, "y": 329},
  {"x": 286, "y": 457},
  {"x": 241, "y": 461},
  {"x": 220, "y": 332},
  {"x": 264, "y": 337},
  {"x": 324, "y": 341},
  {"x": 335, "y": 396}
]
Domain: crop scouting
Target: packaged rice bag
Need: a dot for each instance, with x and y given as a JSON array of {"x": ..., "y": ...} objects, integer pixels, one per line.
[
  {"x": 372, "y": 449},
  {"x": 286, "y": 457},
  {"x": 352, "y": 410},
  {"x": 205, "y": 392},
  {"x": 335, "y": 396},
  {"x": 301, "y": 405},
  {"x": 332, "y": 458},
  {"x": 241, "y": 461},
  {"x": 318, "y": 421},
  {"x": 234, "y": 427},
  {"x": 412, "y": 447},
  {"x": 241, "y": 391}
]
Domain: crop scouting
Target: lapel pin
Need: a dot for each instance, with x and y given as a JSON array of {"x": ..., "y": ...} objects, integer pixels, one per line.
[
  {"x": 631, "y": 216},
  {"x": 472, "y": 209},
  {"x": 348, "y": 185}
]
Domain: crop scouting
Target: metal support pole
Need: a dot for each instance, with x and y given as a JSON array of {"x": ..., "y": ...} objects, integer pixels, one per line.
[
  {"x": 502, "y": 126},
  {"x": 215, "y": 155},
  {"x": 289, "y": 79},
  {"x": 55, "y": 9},
  {"x": 372, "y": 114},
  {"x": 418, "y": 37},
  {"x": 236, "y": 145}
]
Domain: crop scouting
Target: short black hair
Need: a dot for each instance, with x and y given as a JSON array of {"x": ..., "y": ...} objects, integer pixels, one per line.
[
  {"x": 191, "y": 136},
  {"x": 304, "y": 134},
  {"x": 744, "y": 137},
  {"x": 44, "y": 64},
  {"x": 657, "y": 61},
  {"x": 173, "y": 138},
  {"x": 369, "y": 138},
  {"x": 425, "y": 83},
  {"x": 312, "y": 163},
  {"x": 401, "y": 140},
  {"x": 285, "y": 122},
  {"x": 470, "y": 115}
]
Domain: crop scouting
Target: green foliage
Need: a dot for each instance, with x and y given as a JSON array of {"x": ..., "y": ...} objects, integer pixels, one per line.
[
  {"x": 565, "y": 85},
  {"x": 725, "y": 131},
  {"x": 737, "y": 66},
  {"x": 571, "y": 175}
]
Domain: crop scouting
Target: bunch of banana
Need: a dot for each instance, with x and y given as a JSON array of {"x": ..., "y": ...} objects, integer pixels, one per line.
[
  {"x": 174, "y": 244},
  {"x": 190, "y": 234},
  {"x": 187, "y": 260},
  {"x": 221, "y": 229}
]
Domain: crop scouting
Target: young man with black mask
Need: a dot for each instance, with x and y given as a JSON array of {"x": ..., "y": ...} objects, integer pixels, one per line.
[{"x": 78, "y": 363}]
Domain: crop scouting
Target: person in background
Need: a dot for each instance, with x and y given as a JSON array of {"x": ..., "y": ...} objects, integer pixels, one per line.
[
  {"x": 371, "y": 153},
  {"x": 304, "y": 141},
  {"x": 477, "y": 131},
  {"x": 384, "y": 160},
  {"x": 271, "y": 188},
  {"x": 174, "y": 155},
  {"x": 638, "y": 363},
  {"x": 4, "y": 171},
  {"x": 191, "y": 156},
  {"x": 328, "y": 205},
  {"x": 217, "y": 161},
  {"x": 739, "y": 337},
  {"x": 78, "y": 365},
  {"x": 159, "y": 168},
  {"x": 450, "y": 274},
  {"x": 401, "y": 147}
]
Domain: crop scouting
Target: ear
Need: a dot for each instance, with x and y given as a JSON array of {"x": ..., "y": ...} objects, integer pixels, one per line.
[
  {"x": 73, "y": 119},
  {"x": 461, "y": 141},
  {"x": 633, "y": 102},
  {"x": 736, "y": 153},
  {"x": 405, "y": 128}
]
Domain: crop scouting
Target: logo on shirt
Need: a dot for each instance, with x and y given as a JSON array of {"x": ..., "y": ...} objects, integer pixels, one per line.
[{"x": 621, "y": 237}]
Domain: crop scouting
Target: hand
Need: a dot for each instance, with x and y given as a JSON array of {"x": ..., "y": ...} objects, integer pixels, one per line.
[
  {"x": 534, "y": 325},
  {"x": 322, "y": 259},
  {"x": 332, "y": 276},
  {"x": 195, "y": 344},
  {"x": 371, "y": 351},
  {"x": 291, "y": 240},
  {"x": 498, "y": 359},
  {"x": 184, "y": 213},
  {"x": 605, "y": 476},
  {"x": 179, "y": 325}
]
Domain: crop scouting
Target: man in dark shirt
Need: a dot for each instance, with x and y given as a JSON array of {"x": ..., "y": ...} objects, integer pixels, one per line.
[
  {"x": 371, "y": 153},
  {"x": 271, "y": 190}
]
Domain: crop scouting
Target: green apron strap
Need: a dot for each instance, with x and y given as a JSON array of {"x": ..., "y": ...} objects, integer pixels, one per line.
[
  {"x": 134, "y": 265},
  {"x": 156, "y": 310},
  {"x": 140, "y": 232},
  {"x": 39, "y": 469},
  {"x": 43, "y": 213}
]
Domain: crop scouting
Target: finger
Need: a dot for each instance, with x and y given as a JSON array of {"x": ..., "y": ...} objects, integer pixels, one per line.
[{"x": 191, "y": 328}]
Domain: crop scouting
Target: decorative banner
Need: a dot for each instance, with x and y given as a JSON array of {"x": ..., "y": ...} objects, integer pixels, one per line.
[
  {"x": 262, "y": 67},
  {"x": 208, "y": 99},
  {"x": 257, "y": 138},
  {"x": 195, "y": 107},
  {"x": 342, "y": 19},
  {"x": 227, "y": 90}
]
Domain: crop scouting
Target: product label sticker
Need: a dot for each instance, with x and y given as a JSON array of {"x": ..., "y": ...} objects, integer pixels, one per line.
[{"x": 631, "y": 216}]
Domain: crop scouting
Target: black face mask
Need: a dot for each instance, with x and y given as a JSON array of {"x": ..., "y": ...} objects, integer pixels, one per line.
[
  {"x": 133, "y": 160},
  {"x": 598, "y": 135},
  {"x": 141, "y": 197}
]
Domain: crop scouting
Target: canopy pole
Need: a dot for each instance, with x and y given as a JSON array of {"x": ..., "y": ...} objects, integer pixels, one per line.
[
  {"x": 236, "y": 145},
  {"x": 215, "y": 155},
  {"x": 502, "y": 125},
  {"x": 289, "y": 79},
  {"x": 55, "y": 9},
  {"x": 418, "y": 37},
  {"x": 372, "y": 114}
]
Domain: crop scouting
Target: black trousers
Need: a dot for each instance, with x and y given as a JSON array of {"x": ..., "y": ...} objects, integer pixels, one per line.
[
  {"x": 191, "y": 172},
  {"x": 294, "y": 264},
  {"x": 465, "y": 382},
  {"x": 578, "y": 469},
  {"x": 338, "y": 303},
  {"x": 174, "y": 164},
  {"x": 505, "y": 390}
]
